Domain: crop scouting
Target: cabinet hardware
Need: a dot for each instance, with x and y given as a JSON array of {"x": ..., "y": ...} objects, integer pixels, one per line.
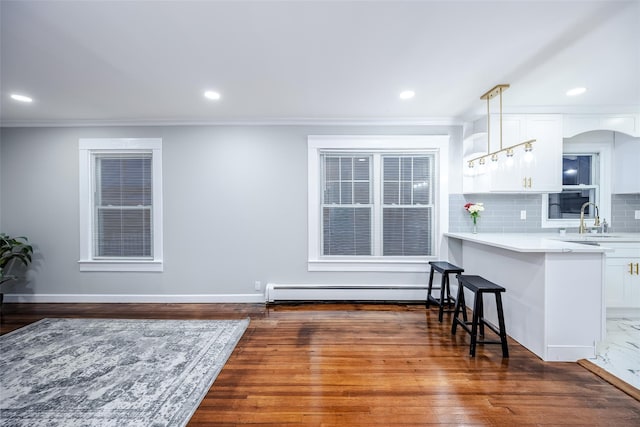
[
  {"x": 631, "y": 268},
  {"x": 529, "y": 182},
  {"x": 637, "y": 269}
]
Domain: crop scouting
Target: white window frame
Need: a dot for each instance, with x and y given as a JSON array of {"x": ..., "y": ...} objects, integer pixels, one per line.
[
  {"x": 603, "y": 197},
  {"x": 436, "y": 145},
  {"x": 88, "y": 148}
]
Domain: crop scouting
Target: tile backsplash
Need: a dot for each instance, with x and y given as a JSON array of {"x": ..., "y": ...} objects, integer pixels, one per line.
[
  {"x": 623, "y": 207},
  {"x": 502, "y": 213}
]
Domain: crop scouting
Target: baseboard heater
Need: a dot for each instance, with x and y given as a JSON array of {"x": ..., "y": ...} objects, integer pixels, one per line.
[{"x": 275, "y": 292}]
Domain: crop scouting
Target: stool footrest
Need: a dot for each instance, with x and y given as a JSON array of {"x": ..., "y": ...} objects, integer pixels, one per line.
[{"x": 467, "y": 327}]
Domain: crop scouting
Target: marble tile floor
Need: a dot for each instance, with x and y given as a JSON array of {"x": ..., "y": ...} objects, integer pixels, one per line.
[{"x": 619, "y": 353}]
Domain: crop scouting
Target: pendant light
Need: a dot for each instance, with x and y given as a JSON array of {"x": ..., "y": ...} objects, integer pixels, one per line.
[{"x": 508, "y": 151}]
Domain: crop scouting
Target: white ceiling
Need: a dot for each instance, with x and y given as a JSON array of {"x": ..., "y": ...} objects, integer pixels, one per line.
[{"x": 101, "y": 62}]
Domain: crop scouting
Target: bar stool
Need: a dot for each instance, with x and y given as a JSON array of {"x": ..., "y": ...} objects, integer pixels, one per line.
[
  {"x": 479, "y": 286},
  {"x": 444, "y": 268}
]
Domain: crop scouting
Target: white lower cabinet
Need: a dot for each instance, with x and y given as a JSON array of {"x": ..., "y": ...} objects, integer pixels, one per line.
[{"x": 622, "y": 280}]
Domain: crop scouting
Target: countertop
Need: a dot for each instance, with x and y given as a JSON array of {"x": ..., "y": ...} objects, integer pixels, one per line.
[{"x": 547, "y": 242}]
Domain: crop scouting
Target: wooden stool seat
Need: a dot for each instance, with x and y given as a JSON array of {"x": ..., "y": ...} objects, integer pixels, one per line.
[
  {"x": 479, "y": 286},
  {"x": 444, "y": 268}
]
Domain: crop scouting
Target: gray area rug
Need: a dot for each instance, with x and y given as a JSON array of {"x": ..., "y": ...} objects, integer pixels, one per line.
[{"x": 108, "y": 372}]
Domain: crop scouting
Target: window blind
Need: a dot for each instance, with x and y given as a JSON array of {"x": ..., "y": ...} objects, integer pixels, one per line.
[
  {"x": 123, "y": 202},
  {"x": 407, "y": 218},
  {"x": 346, "y": 205}
]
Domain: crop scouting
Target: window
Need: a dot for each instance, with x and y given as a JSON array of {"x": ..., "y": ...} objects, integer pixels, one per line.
[
  {"x": 585, "y": 161},
  {"x": 579, "y": 186},
  {"x": 347, "y": 205},
  {"x": 373, "y": 200},
  {"x": 407, "y": 219},
  {"x": 122, "y": 206},
  {"x": 120, "y": 200}
]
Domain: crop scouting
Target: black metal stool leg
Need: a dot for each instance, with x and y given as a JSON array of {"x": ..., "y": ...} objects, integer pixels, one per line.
[
  {"x": 501, "y": 326},
  {"x": 480, "y": 306},
  {"x": 427, "y": 302},
  {"x": 459, "y": 302},
  {"x": 443, "y": 283},
  {"x": 474, "y": 324}
]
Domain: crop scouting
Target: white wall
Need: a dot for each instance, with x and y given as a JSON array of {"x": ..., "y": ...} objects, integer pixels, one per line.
[{"x": 234, "y": 209}]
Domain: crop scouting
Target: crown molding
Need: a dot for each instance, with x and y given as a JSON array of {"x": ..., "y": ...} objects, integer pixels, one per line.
[{"x": 293, "y": 121}]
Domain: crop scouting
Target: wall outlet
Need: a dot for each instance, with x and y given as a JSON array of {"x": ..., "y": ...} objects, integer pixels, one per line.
[
  {"x": 523, "y": 214},
  {"x": 257, "y": 285},
  {"x": 637, "y": 215}
]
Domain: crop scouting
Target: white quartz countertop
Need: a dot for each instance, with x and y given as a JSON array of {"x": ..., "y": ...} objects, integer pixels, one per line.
[{"x": 546, "y": 242}]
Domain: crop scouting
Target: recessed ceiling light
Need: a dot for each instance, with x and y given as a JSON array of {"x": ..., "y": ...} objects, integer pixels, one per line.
[
  {"x": 407, "y": 94},
  {"x": 212, "y": 95},
  {"x": 21, "y": 98},
  {"x": 576, "y": 91}
]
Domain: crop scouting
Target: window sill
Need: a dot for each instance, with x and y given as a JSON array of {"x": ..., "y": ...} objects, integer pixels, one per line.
[
  {"x": 122, "y": 265},
  {"x": 374, "y": 265}
]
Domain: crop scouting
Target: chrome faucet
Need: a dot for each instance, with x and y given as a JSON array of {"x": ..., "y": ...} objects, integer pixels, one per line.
[{"x": 596, "y": 223}]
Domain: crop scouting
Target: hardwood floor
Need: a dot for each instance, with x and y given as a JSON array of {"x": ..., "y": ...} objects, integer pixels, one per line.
[{"x": 370, "y": 364}]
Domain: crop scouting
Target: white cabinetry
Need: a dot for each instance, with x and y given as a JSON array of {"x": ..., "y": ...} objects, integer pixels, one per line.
[
  {"x": 622, "y": 280},
  {"x": 541, "y": 174},
  {"x": 580, "y": 123},
  {"x": 626, "y": 173}
]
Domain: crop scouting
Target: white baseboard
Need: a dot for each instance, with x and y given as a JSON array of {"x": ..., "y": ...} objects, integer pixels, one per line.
[
  {"x": 569, "y": 353},
  {"x": 123, "y": 298}
]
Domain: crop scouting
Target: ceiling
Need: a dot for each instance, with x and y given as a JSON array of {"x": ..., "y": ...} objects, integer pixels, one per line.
[{"x": 148, "y": 62}]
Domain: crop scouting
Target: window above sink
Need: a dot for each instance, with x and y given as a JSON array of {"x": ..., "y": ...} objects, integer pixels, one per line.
[{"x": 586, "y": 161}]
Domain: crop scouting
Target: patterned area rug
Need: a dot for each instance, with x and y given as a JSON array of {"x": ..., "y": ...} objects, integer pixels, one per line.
[{"x": 108, "y": 372}]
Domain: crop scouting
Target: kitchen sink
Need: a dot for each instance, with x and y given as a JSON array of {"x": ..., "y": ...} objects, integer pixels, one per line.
[
  {"x": 583, "y": 242},
  {"x": 590, "y": 236}
]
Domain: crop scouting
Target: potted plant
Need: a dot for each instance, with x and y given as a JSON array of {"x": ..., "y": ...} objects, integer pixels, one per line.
[{"x": 12, "y": 250}]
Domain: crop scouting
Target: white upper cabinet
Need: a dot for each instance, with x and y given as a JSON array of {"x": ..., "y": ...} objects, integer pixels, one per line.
[
  {"x": 626, "y": 170},
  {"x": 537, "y": 172},
  {"x": 574, "y": 124}
]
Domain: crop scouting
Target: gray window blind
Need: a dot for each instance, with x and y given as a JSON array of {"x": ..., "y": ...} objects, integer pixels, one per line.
[
  {"x": 407, "y": 217},
  {"x": 123, "y": 201},
  {"x": 346, "y": 205}
]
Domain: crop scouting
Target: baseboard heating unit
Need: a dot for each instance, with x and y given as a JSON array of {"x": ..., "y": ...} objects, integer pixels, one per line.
[{"x": 275, "y": 292}]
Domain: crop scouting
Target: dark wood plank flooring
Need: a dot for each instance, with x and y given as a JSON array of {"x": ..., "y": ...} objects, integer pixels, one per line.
[{"x": 368, "y": 365}]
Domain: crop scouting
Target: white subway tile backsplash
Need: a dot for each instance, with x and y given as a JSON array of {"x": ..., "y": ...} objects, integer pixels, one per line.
[{"x": 502, "y": 213}]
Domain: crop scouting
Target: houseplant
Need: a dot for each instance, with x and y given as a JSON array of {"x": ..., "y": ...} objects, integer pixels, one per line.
[{"x": 12, "y": 250}]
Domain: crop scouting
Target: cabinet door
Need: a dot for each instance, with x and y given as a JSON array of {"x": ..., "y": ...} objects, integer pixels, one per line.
[
  {"x": 615, "y": 281},
  {"x": 632, "y": 283},
  {"x": 626, "y": 173},
  {"x": 476, "y": 180},
  {"x": 506, "y": 176},
  {"x": 623, "y": 283},
  {"x": 545, "y": 170}
]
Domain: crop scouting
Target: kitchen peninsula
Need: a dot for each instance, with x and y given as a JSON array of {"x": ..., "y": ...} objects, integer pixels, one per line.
[{"x": 554, "y": 303}]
